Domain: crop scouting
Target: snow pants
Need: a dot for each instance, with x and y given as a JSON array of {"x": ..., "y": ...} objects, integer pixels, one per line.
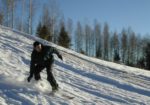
[{"x": 50, "y": 77}]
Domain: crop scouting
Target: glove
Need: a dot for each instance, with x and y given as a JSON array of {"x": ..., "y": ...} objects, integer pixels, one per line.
[
  {"x": 29, "y": 78},
  {"x": 60, "y": 57}
]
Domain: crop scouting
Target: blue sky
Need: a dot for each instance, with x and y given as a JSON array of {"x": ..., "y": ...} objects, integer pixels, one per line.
[{"x": 117, "y": 13}]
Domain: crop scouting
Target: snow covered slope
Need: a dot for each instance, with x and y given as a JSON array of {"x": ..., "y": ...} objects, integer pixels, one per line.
[{"x": 90, "y": 81}]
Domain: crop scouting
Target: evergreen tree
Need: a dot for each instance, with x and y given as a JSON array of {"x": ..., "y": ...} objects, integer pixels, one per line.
[
  {"x": 141, "y": 63},
  {"x": 43, "y": 32},
  {"x": 116, "y": 56},
  {"x": 64, "y": 39},
  {"x": 115, "y": 45},
  {"x": 147, "y": 56}
]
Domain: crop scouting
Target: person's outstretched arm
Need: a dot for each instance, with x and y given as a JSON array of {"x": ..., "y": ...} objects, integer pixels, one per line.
[{"x": 57, "y": 53}]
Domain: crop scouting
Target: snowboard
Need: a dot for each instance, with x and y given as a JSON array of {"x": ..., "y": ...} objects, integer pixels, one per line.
[{"x": 61, "y": 93}]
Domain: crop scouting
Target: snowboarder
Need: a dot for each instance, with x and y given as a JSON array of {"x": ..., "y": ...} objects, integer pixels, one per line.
[{"x": 41, "y": 58}]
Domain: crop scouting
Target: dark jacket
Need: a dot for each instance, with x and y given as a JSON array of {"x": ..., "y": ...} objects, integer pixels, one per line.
[{"x": 43, "y": 57}]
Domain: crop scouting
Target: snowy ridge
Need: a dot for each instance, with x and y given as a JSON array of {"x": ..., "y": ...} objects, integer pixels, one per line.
[{"x": 90, "y": 81}]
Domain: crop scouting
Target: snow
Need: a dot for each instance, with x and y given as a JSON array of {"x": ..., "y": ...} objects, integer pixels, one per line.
[{"x": 89, "y": 80}]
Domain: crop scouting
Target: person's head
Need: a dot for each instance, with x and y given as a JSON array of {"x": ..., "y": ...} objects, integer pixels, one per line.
[{"x": 37, "y": 46}]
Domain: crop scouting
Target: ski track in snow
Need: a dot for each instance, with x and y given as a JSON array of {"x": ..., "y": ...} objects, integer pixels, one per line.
[{"x": 90, "y": 81}]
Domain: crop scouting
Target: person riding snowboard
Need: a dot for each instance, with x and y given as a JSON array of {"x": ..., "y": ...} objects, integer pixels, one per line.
[{"x": 42, "y": 57}]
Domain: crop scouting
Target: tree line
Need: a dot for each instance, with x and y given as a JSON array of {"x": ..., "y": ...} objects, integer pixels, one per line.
[{"x": 125, "y": 47}]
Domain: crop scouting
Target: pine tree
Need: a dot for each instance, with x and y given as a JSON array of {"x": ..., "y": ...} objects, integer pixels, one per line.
[
  {"x": 63, "y": 38},
  {"x": 115, "y": 48},
  {"x": 147, "y": 56},
  {"x": 141, "y": 63},
  {"x": 43, "y": 32},
  {"x": 116, "y": 56}
]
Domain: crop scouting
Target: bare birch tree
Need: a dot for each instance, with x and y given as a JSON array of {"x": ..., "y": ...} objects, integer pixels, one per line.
[
  {"x": 54, "y": 14},
  {"x": 22, "y": 17},
  {"x": 79, "y": 38},
  {"x": 124, "y": 45},
  {"x": 98, "y": 40},
  {"x": 106, "y": 41},
  {"x": 1, "y": 17},
  {"x": 69, "y": 28},
  {"x": 32, "y": 12},
  {"x": 88, "y": 32}
]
